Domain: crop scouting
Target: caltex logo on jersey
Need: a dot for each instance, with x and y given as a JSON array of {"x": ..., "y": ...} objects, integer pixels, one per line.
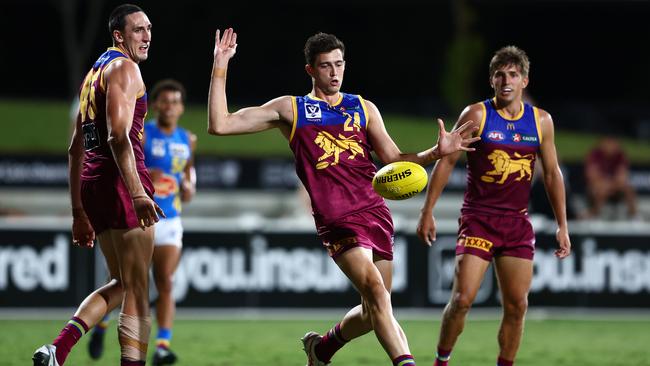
[
  {"x": 516, "y": 137},
  {"x": 496, "y": 136}
]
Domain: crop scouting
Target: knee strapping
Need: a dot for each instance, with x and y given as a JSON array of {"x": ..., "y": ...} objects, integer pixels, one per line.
[{"x": 134, "y": 336}]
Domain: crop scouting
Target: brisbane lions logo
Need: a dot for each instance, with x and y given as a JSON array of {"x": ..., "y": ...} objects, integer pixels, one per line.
[
  {"x": 504, "y": 166},
  {"x": 334, "y": 147}
]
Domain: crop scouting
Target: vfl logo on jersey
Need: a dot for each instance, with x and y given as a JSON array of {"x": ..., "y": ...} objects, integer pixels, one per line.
[
  {"x": 312, "y": 111},
  {"x": 478, "y": 243},
  {"x": 496, "y": 136},
  {"x": 504, "y": 166},
  {"x": 333, "y": 147}
]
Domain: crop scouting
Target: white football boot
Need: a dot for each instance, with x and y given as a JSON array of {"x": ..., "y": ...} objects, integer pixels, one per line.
[
  {"x": 309, "y": 342},
  {"x": 45, "y": 356}
]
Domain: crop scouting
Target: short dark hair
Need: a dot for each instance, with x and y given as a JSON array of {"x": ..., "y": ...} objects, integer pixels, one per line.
[
  {"x": 321, "y": 43},
  {"x": 510, "y": 55},
  {"x": 117, "y": 20},
  {"x": 167, "y": 85}
]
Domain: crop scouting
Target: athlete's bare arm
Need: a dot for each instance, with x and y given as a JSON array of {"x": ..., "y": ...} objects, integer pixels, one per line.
[
  {"x": 82, "y": 232},
  {"x": 277, "y": 113},
  {"x": 554, "y": 183},
  {"x": 388, "y": 152},
  {"x": 188, "y": 184},
  {"x": 426, "y": 228},
  {"x": 123, "y": 83}
]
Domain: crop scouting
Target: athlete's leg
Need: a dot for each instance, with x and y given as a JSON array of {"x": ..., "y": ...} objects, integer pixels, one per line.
[
  {"x": 165, "y": 261},
  {"x": 468, "y": 276},
  {"x": 515, "y": 276},
  {"x": 93, "y": 308},
  {"x": 358, "y": 266},
  {"x": 109, "y": 296},
  {"x": 356, "y": 322},
  {"x": 134, "y": 250},
  {"x": 599, "y": 191}
]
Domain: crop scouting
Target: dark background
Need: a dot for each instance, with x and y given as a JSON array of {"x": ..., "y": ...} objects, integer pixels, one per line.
[{"x": 589, "y": 62}]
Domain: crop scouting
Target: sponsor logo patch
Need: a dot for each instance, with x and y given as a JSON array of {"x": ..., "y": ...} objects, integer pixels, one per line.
[
  {"x": 496, "y": 136},
  {"x": 478, "y": 243},
  {"x": 312, "y": 111},
  {"x": 336, "y": 247},
  {"x": 516, "y": 137}
]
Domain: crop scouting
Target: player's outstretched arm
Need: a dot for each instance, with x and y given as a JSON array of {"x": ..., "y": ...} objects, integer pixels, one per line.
[
  {"x": 554, "y": 183},
  {"x": 82, "y": 232},
  {"x": 276, "y": 113},
  {"x": 458, "y": 139},
  {"x": 426, "y": 228}
]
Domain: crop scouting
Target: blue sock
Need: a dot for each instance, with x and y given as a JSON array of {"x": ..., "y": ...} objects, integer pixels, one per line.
[
  {"x": 100, "y": 328},
  {"x": 164, "y": 338}
]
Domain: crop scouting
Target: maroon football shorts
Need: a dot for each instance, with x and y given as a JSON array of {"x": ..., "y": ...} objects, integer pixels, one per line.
[
  {"x": 489, "y": 236},
  {"x": 108, "y": 204},
  {"x": 372, "y": 229}
]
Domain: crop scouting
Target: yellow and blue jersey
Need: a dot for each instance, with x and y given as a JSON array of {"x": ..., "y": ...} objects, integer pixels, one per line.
[{"x": 170, "y": 154}]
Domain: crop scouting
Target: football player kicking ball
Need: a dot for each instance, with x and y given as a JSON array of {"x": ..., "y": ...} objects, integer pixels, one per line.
[
  {"x": 494, "y": 223},
  {"x": 331, "y": 135}
]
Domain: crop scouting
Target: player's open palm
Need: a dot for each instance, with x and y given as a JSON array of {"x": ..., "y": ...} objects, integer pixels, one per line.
[
  {"x": 458, "y": 139},
  {"x": 147, "y": 210},
  {"x": 225, "y": 47},
  {"x": 83, "y": 234},
  {"x": 426, "y": 229}
]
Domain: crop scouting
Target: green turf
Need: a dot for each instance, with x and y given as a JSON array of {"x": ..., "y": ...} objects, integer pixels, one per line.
[
  {"x": 251, "y": 343},
  {"x": 44, "y": 127}
]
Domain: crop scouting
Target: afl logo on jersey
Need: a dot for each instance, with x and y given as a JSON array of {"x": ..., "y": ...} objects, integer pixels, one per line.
[
  {"x": 312, "y": 111},
  {"x": 496, "y": 136}
]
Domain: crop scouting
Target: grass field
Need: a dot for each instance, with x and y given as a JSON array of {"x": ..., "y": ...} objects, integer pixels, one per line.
[
  {"x": 276, "y": 343},
  {"x": 44, "y": 127}
]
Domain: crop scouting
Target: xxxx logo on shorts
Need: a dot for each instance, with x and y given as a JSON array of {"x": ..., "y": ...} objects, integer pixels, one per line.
[
  {"x": 478, "y": 243},
  {"x": 334, "y": 248}
]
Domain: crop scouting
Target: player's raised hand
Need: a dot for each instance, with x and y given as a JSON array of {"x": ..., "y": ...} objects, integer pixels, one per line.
[
  {"x": 147, "y": 211},
  {"x": 562, "y": 237},
  {"x": 456, "y": 140},
  {"x": 83, "y": 234},
  {"x": 426, "y": 229},
  {"x": 225, "y": 47}
]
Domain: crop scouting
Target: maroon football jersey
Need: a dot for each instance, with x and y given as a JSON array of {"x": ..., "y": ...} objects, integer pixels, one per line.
[
  {"x": 98, "y": 161},
  {"x": 332, "y": 151},
  {"x": 500, "y": 171}
]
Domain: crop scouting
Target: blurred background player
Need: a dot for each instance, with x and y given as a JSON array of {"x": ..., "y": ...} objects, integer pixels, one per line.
[
  {"x": 494, "y": 222},
  {"x": 169, "y": 156},
  {"x": 331, "y": 135},
  {"x": 607, "y": 172},
  {"x": 111, "y": 191}
]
